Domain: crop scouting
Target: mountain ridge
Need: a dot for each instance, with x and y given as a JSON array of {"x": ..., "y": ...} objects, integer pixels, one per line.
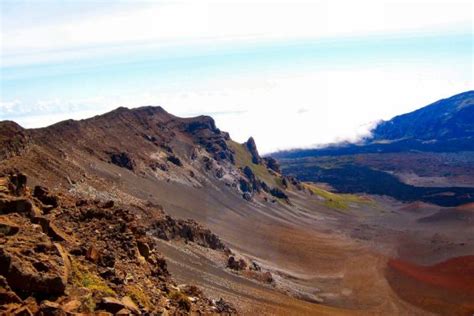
[
  {"x": 444, "y": 119},
  {"x": 421, "y": 155},
  {"x": 180, "y": 191}
]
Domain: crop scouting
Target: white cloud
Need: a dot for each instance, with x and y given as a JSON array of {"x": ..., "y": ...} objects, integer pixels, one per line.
[
  {"x": 282, "y": 109},
  {"x": 337, "y": 104},
  {"x": 169, "y": 23}
]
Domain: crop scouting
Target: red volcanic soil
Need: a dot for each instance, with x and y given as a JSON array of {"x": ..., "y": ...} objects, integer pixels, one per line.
[
  {"x": 446, "y": 288},
  {"x": 454, "y": 274},
  {"x": 466, "y": 207}
]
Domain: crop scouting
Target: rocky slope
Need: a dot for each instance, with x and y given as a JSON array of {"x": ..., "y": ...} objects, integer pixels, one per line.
[
  {"x": 139, "y": 205},
  {"x": 447, "y": 119},
  {"x": 94, "y": 234},
  {"x": 147, "y": 141},
  {"x": 61, "y": 255}
]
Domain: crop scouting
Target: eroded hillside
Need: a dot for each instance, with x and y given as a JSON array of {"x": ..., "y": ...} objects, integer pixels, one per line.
[{"x": 149, "y": 200}]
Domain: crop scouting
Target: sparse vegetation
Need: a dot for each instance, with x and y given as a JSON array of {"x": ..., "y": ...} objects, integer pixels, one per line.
[
  {"x": 82, "y": 277},
  {"x": 181, "y": 299},
  {"x": 337, "y": 201},
  {"x": 138, "y": 296},
  {"x": 243, "y": 159}
]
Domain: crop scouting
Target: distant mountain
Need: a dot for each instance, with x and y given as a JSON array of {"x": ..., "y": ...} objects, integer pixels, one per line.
[
  {"x": 445, "y": 119},
  {"x": 424, "y": 155}
]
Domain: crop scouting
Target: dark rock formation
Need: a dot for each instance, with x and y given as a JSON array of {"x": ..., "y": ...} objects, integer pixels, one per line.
[
  {"x": 253, "y": 184},
  {"x": 42, "y": 194},
  {"x": 175, "y": 160},
  {"x": 187, "y": 230},
  {"x": 122, "y": 160},
  {"x": 245, "y": 186},
  {"x": 278, "y": 194},
  {"x": 252, "y": 148},
  {"x": 234, "y": 264},
  {"x": 247, "y": 196},
  {"x": 272, "y": 164},
  {"x": 204, "y": 131}
]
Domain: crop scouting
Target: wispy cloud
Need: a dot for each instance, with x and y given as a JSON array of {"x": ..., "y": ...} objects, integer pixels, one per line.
[
  {"x": 58, "y": 31},
  {"x": 295, "y": 73}
]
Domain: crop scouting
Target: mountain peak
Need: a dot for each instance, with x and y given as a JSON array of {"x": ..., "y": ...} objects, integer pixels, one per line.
[
  {"x": 252, "y": 148},
  {"x": 445, "y": 119}
]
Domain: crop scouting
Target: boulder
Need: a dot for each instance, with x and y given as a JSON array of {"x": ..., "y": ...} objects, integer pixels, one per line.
[
  {"x": 92, "y": 254},
  {"x": 15, "y": 205},
  {"x": 42, "y": 194},
  {"x": 7, "y": 296},
  {"x": 220, "y": 173},
  {"x": 71, "y": 306},
  {"x": 234, "y": 264},
  {"x": 107, "y": 204},
  {"x": 18, "y": 183},
  {"x": 143, "y": 249},
  {"x": 225, "y": 308},
  {"x": 7, "y": 227},
  {"x": 32, "y": 265},
  {"x": 48, "y": 308},
  {"x": 111, "y": 305},
  {"x": 130, "y": 305},
  {"x": 247, "y": 196}
]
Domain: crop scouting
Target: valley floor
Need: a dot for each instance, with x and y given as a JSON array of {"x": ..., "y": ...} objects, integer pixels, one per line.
[{"x": 324, "y": 260}]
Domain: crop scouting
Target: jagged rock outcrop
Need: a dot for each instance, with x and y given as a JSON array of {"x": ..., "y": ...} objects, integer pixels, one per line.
[
  {"x": 254, "y": 182},
  {"x": 85, "y": 256},
  {"x": 204, "y": 131},
  {"x": 147, "y": 141},
  {"x": 187, "y": 230},
  {"x": 252, "y": 148},
  {"x": 272, "y": 164},
  {"x": 249, "y": 269}
]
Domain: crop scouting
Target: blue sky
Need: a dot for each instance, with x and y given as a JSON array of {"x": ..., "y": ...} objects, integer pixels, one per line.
[{"x": 292, "y": 74}]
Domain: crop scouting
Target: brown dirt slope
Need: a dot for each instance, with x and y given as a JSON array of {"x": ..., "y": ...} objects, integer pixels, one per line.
[{"x": 296, "y": 249}]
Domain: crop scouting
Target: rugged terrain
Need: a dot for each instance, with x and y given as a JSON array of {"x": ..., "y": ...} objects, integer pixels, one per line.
[
  {"x": 426, "y": 155},
  {"x": 62, "y": 255},
  {"x": 141, "y": 211}
]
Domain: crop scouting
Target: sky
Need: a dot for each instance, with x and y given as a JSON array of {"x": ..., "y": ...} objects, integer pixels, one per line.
[{"x": 292, "y": 74}]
